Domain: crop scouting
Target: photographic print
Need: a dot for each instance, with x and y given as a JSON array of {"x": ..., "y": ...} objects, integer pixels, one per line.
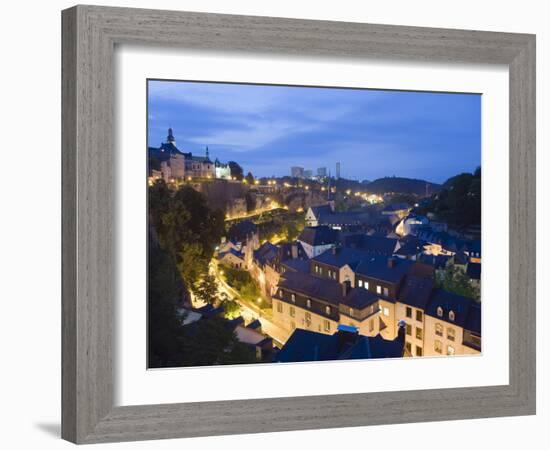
[{"x": 292, "y": 224}]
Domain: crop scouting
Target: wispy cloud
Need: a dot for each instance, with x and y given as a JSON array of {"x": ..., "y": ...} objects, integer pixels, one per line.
[{"x": 372, "y": 133}]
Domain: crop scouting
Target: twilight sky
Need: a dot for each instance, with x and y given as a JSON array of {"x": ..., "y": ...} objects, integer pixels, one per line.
[{"x": 372, "y": 133}]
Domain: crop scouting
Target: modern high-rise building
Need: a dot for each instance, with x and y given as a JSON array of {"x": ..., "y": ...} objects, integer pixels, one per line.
[
  {"x": 337, "y": 170},
  {"x": 322, "y": 172},
  {"x": 308, "y": 173},
  {"x": 297, "y": 172}
]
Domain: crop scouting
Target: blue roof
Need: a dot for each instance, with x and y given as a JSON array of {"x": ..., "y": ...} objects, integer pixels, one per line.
[
  {"x": 461, "y": 306},
  {"x": 305, "y": 345}
]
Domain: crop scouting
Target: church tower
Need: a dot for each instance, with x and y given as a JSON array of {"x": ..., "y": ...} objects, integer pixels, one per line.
[
  {"x": 207, "y": 154},
  {"x": 171, "y": 139}
]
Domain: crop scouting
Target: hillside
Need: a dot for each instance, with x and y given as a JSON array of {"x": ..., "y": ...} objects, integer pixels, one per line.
[{"x": 403, "y": 186}]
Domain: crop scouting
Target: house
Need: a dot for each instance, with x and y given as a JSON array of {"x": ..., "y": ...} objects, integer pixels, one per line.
[
  {"x": 316, "y": 240},
  {"x": 346, "y": 343},
  {"x": 175, "y": 164},
  {"x": 233, "y": 258},
  {"x": 400, "y": 210},
  {"x": 372, "y": 244},
  {"x": 410, "y": 247},
  {"x": 374, "y": 294},
  {"x": 314, "y": 213},
  {"x": 246, "y": 233}
]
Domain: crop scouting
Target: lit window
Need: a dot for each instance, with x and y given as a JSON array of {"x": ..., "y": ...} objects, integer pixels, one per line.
[
  {"x": 438, "y": 346},
  {"x": 366, "y": 284},
  {"x": 360, "y": 283},
  {"x": 409, "y": 312},
  {"x": 439, "y": 329},
  {"x": 418, "y": 333},
  {"x": 450, "y": 350},
  {"x": 451, "y": 334},
  {"x": 327, "y": 309},
  {"x": 316, "y": 269},
  {"x": 308, "y": 303},
  {"x": 293, "y": 298},
  {"x": 351, "y": 312},
  {"x": 452, "y": 316},
  {"x": 386, "y": 312},
  {"x": 292, "y": 311},
  {"x": 419, "y": 315},
  {"x": 439, "y": 311},
  {"x": 386, "y": 292}
]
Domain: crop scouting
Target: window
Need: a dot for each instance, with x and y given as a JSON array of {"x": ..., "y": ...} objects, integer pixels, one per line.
[
  {"x": 451, "y": 334},
  {"x": 418, "y": 351},
  {"x": 351, "y": 312},
  {"x": 439, "y": 311},
  {"x": 292, "y": 325},
  {"x": 386, "y": 292},
  {"x": 371, "y": 325},
  {"x": 408, "y": 329},
  {"x": 409, "y": 312},
  {"x": 438, "y": 329},
  {"x": 334, "y": 275},
  {"x": 326, "y": 324},
  {"x": 438, "y": 346},
  {"x": 293, "y": 298},
  {"x": 292, "y": 311},
  {"x": 450, "y": 350},
  {"x": 308, "y": 319},
  {"x": 308, "y": 303},
  {"x": 279, "y": 307},
  {"x": 418, "y": 315},
  {"x": 316, "y": 269},
  {"x": 386, "y": 312},
  {"x": 418, "y": 333},
  {"x": 360, "y": 283},
  {"x": 452, "y": 316},
  {"x": 281, "y": 293},
  {"x": 378, "y": 289},
  {"x": 408, "y": 347},
  {"x": 327, "y": 310},
  {"x": 366, "y": 284}
]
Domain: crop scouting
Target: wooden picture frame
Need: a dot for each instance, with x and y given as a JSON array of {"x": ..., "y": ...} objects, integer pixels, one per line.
[{"x": 90, "y": 34}]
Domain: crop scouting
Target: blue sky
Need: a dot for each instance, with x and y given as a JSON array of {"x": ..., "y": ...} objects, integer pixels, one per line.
[{"x": 372, "y": 133}]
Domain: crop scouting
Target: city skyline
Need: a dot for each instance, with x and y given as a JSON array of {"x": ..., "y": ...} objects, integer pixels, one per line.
[{"x": 269, "y": 129}]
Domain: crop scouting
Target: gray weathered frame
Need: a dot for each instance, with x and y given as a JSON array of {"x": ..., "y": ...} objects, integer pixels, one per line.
[{"x": 89, "y": 37}]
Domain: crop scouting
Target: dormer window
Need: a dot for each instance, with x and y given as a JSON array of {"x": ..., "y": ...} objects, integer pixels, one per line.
[
  {"x": 452, "y": 316},
  {"x": 308, "y": 303},
  {"x": 327, "y": 310},
  {"x": 293, "y": 298},
  {"x": 439, "y": 311}
]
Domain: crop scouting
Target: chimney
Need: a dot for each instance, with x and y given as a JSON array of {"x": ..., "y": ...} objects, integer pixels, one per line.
[
  {"x": 401, "y": 328},
  {"x": 346, "y": 287},
  {"x": 391, "y": 262}
]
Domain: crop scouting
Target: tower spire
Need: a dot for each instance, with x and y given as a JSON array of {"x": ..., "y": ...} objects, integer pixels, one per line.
[
  {"x": 171, "y": 139},
  {"x": 207, "y": 155}
]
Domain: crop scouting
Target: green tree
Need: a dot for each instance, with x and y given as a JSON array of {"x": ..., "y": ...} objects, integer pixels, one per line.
[
  {"x": 454, "y": 279},
  {"x": 236, "y": 170},
  {"x": 207, "y": 290},
  {"x": 250, "y": 178}
]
